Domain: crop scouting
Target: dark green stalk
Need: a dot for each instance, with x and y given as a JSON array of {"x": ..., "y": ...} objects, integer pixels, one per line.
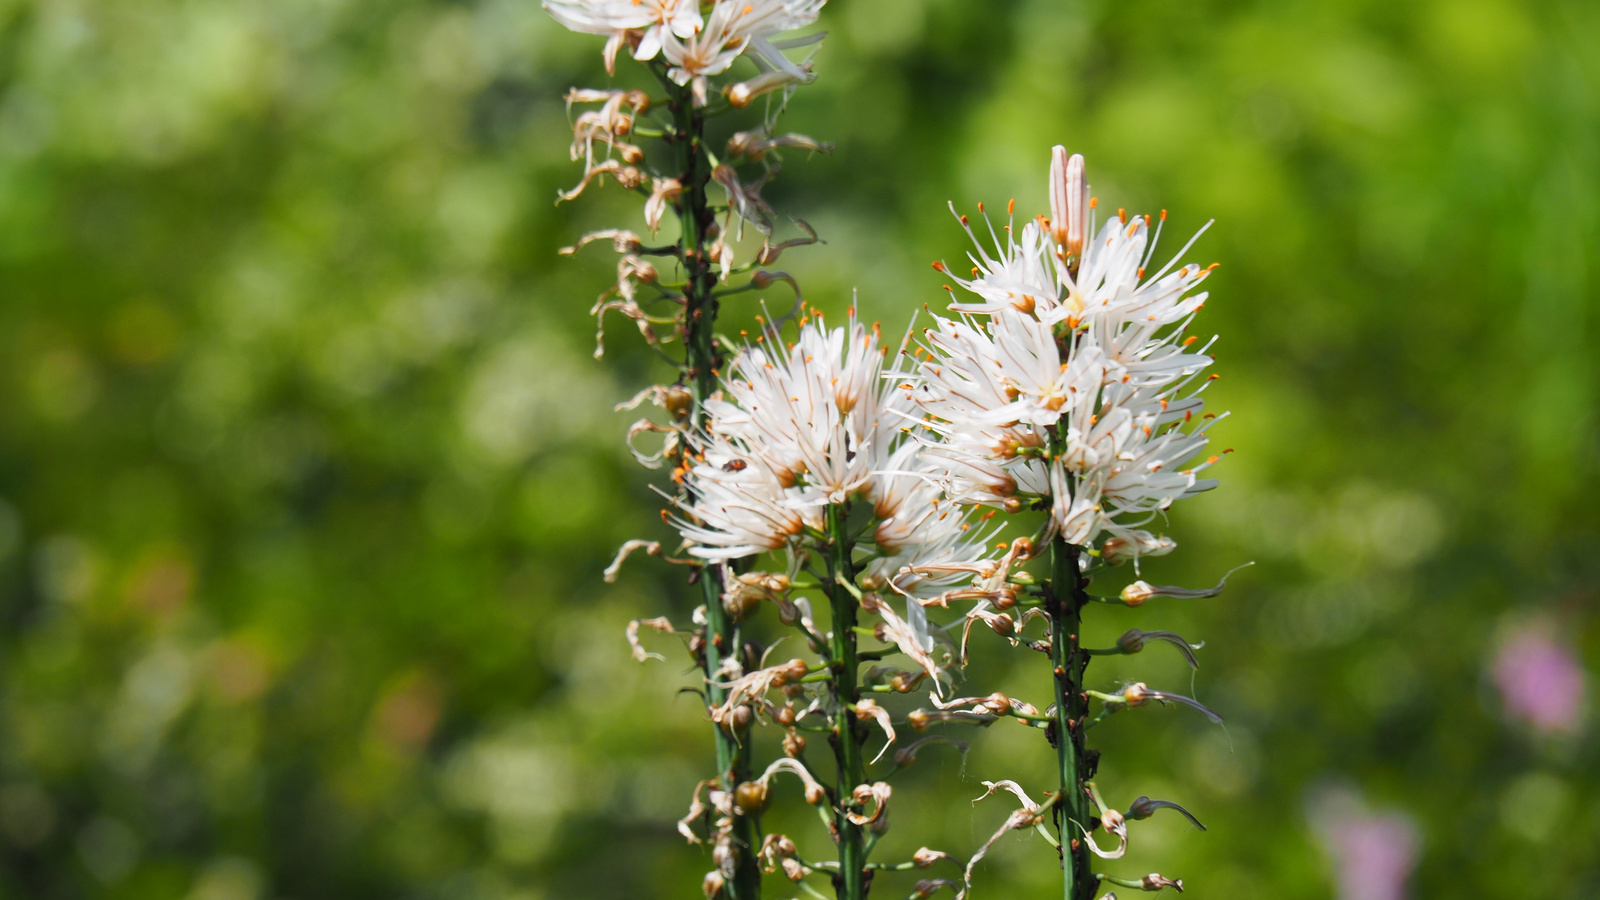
[
  {"x": 1066, "y": 598},
  {"x": 848, "y": 732},
  {"x": 702, "y": 361}
]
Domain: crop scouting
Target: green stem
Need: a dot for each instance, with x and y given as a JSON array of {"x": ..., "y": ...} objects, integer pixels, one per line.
[
  {"x": 723, "y": 636},
  {"x": 1066, "y": 598},
  {"x": 849, "y": 733}
]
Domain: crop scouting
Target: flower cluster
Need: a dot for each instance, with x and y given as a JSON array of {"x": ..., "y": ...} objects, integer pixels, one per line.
[
  {"x": 817, "y": 422},
  {"x": 1068, "y": 380},
  {"x": 697, "y": 45}
]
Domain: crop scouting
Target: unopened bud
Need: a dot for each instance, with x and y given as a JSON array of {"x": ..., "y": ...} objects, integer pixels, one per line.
[
  {"x": 784, "y": 716},
  {"x": 1137, "y": 593},
  {"x": 1155, "y": 882},
  {"x": 925, "y": 857},
  {"x": 917, "y": 719},
  {"x": 739, "y": 95},
  {"x": 1006, "y": 597},
  {"x": 1011, "y": 505},
  {"x": 1002, "y": 624},
  {"x": 1136, "y": 693},
  {"x": 796, "y": 669},
  {"x": 792, "y": 869},
  {"x": 629, "y": 177},
  {"x": 677, "y": 400},
  {"x": 924, "y": 889},
  {"x": 712, "y": 884},
  {"x": 1111, "y": 820},
  {"x": 1116, "y": 551},
  {"x": 737, "y": 721},
  {"x": 1132, "y": 641},
  {"x": 1069, "y": 200},
  {"x": 793, "y": 744},
  {"x": 1144, "y": 808},
  {"x": 750, "y": 797},
  {"x": 997, "y": 703},
  {"x": 872, "y": 582},
  {"x": 906, "y": 682}
]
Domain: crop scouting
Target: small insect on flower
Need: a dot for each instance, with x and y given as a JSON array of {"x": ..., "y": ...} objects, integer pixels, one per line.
[{"x": 735, "y": 465}]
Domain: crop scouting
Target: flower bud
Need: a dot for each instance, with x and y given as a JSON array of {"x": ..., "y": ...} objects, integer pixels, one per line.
[
  {"x": 1011, "y": 505},
  {"x": 1111, "y": 820},
  {"x": 997, "y": 703},
  {"x": 737, "y": 721},
  {"x": 906, "y": 682},
  {"x": 1132, "y": 641},
  {"x": 1006, "y": 597},
  {"x": 917, "y": 719},
  {"x": 1137, "y": 593},
  {"x": 1002, "y": 624},
  {"x": 740, "y": 94},
  {"x": 712, "y": 884},
  {"x": 1155, "y": 882},
  {"x": 796, "y": 669},
  {"x": 638, "y": 100},
  {"x": 1116, "y": 551},
  {"x": 924, "y": 889},
  {"x": 1069, "y": 200},
  {"x": 792, "y": 869},
  {"x": 750, "y": 797},
  {"x": 630, "y": 178},
  {"x": 872, "y": 582},
  {"x": 1136, "y": 694},
  {"x": 784, "y": 716},
  {"x": 677, "y": 400},
  {"x": 1144, "y": 808}
]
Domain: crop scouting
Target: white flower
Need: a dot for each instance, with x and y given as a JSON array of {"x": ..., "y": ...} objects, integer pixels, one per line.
[
  {"x": 1069, "y": 379},
  {"x": 641, "y": 23},
  {"x": 739, "y": 506},
  {"x": 817, "y": 422},
  {"x": 733, "y": 27}
]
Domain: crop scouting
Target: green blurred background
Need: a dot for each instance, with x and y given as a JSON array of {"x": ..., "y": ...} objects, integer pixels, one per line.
[{"x": 308, "y": 477}]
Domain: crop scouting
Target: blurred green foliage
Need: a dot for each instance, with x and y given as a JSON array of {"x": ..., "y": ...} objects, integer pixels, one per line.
[{"x": 308, "y": 479}]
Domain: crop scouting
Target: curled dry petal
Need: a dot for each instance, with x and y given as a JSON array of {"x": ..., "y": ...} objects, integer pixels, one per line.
[
  {"x": 815, "y": 792},
  {"x": 651, "y": 547},
  {"x": 639, "y": 653},
  {"x": 869, "y": 709},
  {"x": 622, "y": 240},
  {"x": 898, "y": 632},
  {"x": 1027, "y": 817},
  {"x": 696, "y": 810},
  {"x": 878, "y": 793},
  {"x": 651, "y": 460}
]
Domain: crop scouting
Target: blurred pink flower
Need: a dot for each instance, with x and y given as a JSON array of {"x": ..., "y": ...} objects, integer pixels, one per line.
[
  {"x": 1540, "y": 680},
  {"x": 1373, "y": 852}
]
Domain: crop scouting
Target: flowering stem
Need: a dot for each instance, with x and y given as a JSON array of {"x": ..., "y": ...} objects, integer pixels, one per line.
[
  {"x": 848, "y": 733},
  {"x": 701, "y": 359},
  {"x": 1066, "y": 598}
]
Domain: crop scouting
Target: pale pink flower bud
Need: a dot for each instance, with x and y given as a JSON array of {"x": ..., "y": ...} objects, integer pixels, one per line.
[{"x": 1069, "y": 200}]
